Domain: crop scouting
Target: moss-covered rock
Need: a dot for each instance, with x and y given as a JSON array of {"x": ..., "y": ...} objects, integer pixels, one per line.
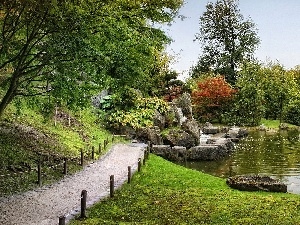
[{"x": 177, "y": 137}]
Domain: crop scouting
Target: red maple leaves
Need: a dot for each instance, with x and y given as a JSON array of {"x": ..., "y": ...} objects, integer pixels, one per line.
[{"x": 212, "y": 95}]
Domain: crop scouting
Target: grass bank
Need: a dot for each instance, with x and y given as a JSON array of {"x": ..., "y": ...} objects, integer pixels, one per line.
[
  {"x": 165, "y": 193},
  {"x": 27, "y": 138},
  {"x": 275, "y": 124}
]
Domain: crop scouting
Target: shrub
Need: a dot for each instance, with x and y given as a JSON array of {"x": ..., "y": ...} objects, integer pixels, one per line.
[
  {"x": 211, "y": 98},
  {"x": 139, "y": 114},
  {"x": 292, "y": 114}
]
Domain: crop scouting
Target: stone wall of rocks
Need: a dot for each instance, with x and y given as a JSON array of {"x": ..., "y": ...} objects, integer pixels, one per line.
[
  {"x": 207, "y": 152},
  {"x": 176, "y": 135}
]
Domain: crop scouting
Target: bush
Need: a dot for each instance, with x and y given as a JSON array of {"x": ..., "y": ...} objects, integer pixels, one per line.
[
  {"x": 139, "y": 113},
  {"x": 292, "y": 114},
  {"x": 212, "y": 98}
]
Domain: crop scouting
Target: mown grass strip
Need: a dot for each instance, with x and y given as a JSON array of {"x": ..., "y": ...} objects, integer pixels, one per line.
[{"x": 165, "y": 193}]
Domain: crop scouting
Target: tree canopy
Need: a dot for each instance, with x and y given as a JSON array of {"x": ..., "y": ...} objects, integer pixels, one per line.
[
  {"x": 67, "y": 49},
  {"x": 227, "y": 39}
]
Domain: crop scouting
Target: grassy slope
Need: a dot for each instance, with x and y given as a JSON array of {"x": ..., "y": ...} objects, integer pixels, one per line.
[
  {"x": 165, "y": 193},
  {"x": 27, "y": 138}
]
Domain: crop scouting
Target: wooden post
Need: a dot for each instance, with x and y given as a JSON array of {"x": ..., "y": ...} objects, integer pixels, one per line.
[
  {"x": 139, "y": 165},
  {"x": 83, "y": 203},
  {"x": 93, "y": 152},
  {"x": 100, "y": 149},
  {"x": 40, "y": 174},
  {"x": 112, "y": 185},
  {"x": 65, "y": 166},
  {"x": 129, "y": 174},
  {"x": 81, "y": 157},
  {"x": 104, "y": 144},
  {"x": 69, "y": 120},
  {"x": 147, "y": 153},
  {"x": 55, "y": 118},
  {"x": 148, "y": 150},
  {"x": 62, "y": 220},
  {"x": 113, "y": 138},
  {"x": 145, "y": 156}
]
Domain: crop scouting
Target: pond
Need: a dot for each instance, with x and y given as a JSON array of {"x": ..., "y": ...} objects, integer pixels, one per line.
[{"x": 275, "y": 154}]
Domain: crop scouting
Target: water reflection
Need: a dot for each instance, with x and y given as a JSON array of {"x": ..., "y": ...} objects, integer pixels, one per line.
[{"x": 274, "y": 154}]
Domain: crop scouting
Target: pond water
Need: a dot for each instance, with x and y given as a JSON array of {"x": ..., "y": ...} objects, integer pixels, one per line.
[{"x": 274, "y": 154}]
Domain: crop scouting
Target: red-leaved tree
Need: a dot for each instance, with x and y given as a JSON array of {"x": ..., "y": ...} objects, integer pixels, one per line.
[{"x": 212, "y": 98}]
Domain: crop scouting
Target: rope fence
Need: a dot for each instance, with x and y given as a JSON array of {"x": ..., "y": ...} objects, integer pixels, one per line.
[{"x": 41, "y": 166}]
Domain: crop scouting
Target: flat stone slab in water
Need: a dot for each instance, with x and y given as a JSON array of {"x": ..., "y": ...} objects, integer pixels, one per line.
[{"x": 256, "y": 183}]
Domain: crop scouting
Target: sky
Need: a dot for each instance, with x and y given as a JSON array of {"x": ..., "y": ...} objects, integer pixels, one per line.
[{"x": 277, "y": 21}]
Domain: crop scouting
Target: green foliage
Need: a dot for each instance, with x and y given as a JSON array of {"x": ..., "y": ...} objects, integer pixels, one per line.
[
  {"x": 227, "y": 39},
  {"x": 265, "y": 91},
  {"x": 138, "y": 114},
  {"x": 68, "y": 50},
  {"x": 279, "y": 87},
  {"x": 165, "y": 193},
  {"x": 248, "y": 107},
  {"x": 292, "y": 113}
]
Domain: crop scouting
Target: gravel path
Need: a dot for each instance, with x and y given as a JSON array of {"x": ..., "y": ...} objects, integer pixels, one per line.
[{"x": 45, "y": 205}]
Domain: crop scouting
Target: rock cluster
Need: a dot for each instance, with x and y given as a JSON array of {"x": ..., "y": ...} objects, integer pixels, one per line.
[
  {"x": 209, "y": 152},
  {"x": 176, "y": 135},
  {"x": 175, "y": 128}
]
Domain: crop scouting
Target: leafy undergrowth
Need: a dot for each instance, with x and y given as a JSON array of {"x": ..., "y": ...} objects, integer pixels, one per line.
[
  {"x": 28, "y": 138},
  {"x": 165, "y": 193}
]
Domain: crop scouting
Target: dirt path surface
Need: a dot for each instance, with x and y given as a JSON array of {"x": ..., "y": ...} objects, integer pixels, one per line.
[{"x": 45, "y": 205}]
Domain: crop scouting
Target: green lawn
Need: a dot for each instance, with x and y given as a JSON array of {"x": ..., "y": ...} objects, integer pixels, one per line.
[
  {"x": 274, "y": 124},
  {"x": 165, "y": 193}
]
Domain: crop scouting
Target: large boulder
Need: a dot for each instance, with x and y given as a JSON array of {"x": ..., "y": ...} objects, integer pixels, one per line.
[
  {"x": 283, "y": 126},
  {"x": 225, "y": 142},
  {"x": 178, "y": 137},
  {"x": 160, "y": 150},
  {"x": 184, "y": 102},
  {"x": 235, "y": 133},
  {"x": 256, "y": 183},
  {"x": 159, "y": 120},
  {"x": 242, "y": 133},
  {"x": 208, "y": 128},
  {"x": 128, "y": 131},
  {"x": 214, "y": 149},
  {"x": 176, "y": 153},
  {"x": 97, "y": 100},
  {"x": 191, "y": 127},
  {"x": 151, "y": 134},
  {"x": 171, "y": 117}
]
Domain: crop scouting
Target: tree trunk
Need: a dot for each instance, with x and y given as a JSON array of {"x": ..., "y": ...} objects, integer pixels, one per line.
[
  {"x": 281, "y": 109},
  {"x": 8, "y": 97}
]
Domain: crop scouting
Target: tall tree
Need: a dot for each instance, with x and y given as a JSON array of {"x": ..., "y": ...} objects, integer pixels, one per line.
[
  {"x": 68, "y": 48},
  {"x": 248, "y": 107},
  {"x": 227, "y": 39}
]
